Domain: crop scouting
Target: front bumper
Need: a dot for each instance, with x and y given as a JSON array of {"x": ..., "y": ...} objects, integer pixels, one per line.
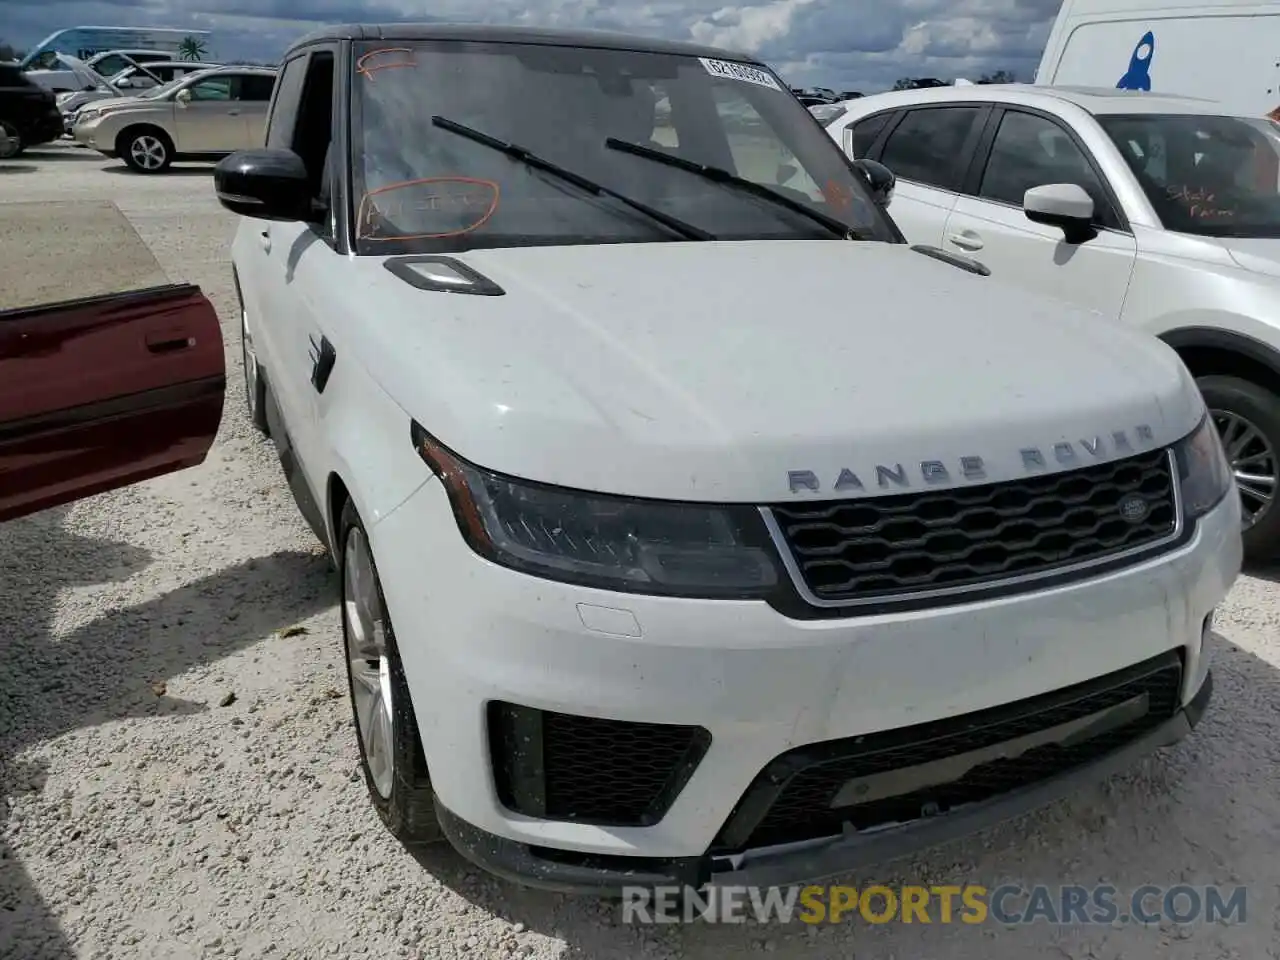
[
  {"x": 760, "y": 685},
  {"x": 520, "y": 863},
  {"x": 91, "y": 133}
]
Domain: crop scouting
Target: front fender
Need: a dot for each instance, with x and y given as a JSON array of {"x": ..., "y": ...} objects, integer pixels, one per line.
[
  {"x": 113, "y": 123},
  {"x": 368, "y": 447},
  {"x": 1241, "y": 335}
]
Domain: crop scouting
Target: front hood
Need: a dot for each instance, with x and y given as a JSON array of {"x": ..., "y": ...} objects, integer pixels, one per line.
[
  {"x": 1257, "y": 256},
  {"x": 721, "y": 371},
  {"x": 112, "y": 103},
  {"x": 75, "y": 101}
]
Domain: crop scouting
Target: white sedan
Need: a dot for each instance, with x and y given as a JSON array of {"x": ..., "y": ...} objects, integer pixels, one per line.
[{"x": 1160, "y": 212}]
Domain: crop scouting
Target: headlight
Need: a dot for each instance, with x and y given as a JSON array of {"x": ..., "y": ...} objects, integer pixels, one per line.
[
  {"x": 610, "y": 542},
  {"x": 1203, "y": 471}
]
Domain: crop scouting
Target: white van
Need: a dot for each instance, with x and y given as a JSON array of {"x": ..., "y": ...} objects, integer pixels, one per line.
[{"x": 1221, "y": 50}]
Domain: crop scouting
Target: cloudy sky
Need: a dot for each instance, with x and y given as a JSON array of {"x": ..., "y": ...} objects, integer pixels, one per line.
[{"x": 845, "y": 44}]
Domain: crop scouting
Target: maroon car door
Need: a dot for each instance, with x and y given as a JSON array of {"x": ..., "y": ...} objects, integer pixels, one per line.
[{"x": 105, "y": 391}]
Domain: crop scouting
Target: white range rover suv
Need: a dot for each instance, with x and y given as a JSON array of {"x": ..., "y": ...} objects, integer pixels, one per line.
[
  {"x": 692, "y": 527},
  {"x": 1160, "y": 212}
]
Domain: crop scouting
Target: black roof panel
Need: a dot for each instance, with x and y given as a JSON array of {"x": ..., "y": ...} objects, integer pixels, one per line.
[{"x": 485, "y": 33}]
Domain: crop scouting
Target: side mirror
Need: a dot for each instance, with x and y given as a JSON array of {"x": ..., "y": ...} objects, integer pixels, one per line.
[
  {"x": 268, "y": 184},
  {"x": 880, "y": 179},
  {"x": 182, "y": 98},
  {"x": 785, "y": 172},
  {"x": 124, "y": 82},
  {"x": 1063, "y": 205}
]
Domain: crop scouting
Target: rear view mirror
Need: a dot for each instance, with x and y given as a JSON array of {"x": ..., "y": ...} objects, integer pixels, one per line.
[
  {"x": 269, "y": 184},
  {"x": 880, "y": 179},
  {"x": 1064, "y": 205}
]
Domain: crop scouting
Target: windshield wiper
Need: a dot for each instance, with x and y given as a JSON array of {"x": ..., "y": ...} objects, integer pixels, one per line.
[
  {"x": 529, "y": 159},
  {"x": 717, "y": 175}
]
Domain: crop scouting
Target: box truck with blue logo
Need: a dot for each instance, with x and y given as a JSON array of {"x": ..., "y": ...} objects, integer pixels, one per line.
[{"x": 1221, "y": 50}]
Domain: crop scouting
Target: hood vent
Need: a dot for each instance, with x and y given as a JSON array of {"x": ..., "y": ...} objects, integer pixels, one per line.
[{"x": 442, "y": 275}]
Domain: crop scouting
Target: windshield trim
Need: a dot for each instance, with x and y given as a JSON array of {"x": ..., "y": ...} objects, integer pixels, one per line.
[
  {"x": 1212, "y": 233},
  {"x": 879, "y": 225},
  {"x": 488, "y": 33}
]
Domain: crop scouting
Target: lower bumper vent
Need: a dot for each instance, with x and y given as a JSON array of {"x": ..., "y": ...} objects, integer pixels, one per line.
[
  {"x": 559, "y": 766},
  {"x": 913, "y": 772}
]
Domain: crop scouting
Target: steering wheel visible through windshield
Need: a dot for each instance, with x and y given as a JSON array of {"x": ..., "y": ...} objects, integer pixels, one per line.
[{"x": 422, "y": 188}]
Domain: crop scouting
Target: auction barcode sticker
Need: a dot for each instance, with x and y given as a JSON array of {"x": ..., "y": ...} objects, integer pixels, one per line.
[{"x": 740, "y": 71}]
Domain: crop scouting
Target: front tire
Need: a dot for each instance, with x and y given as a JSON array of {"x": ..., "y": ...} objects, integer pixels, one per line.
[
  {"x": 391, "y": 755},
  {"x": 1248, "y": 420},
  {"x": 145, "y": 149},
  {"x": 11, "y": 144}
]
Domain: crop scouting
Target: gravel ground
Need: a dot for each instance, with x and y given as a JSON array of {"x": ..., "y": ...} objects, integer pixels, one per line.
[{"x": 178, "y": 768}]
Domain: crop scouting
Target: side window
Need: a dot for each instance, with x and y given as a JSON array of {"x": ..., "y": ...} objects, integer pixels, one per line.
[
  {"x": 109, "y": 66},
  {"x": 1031, "y": 151},
  {"x": 926, "y": 146},
  {"x": 314, "y": 130},
  {"x": 758, "y": 153},
  {"x": 862, "y": 134},
  {"x": 256, "y": 87},
  {"x": 212, "y": 89},
  {"x": 284, "y": 110}
]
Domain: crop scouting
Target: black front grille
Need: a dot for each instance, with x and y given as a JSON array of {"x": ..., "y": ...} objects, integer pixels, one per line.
[
  {"x": 973, "y": 537},
  {"x": 792, "y": 798},
  {"x": 558, "y": 766}
]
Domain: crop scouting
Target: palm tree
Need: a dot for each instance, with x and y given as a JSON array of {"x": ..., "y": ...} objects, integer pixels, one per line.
[{"x": 192, "y": 48}]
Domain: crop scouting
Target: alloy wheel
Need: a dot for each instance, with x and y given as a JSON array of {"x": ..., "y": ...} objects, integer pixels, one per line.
[
  {"x": 365, "y": 636},
  {"x": 148, "y": 152},
  {"x": 1253, "y": 463}
]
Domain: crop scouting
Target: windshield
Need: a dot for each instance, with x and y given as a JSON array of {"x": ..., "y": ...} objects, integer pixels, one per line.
[
  {"x": 421, "y": 187},
  {"x": 164, "y": 88},
  {"x": 1212, "y": 176}
]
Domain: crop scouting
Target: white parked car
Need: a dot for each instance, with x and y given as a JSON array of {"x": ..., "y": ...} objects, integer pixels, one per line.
[
  {"x": 111, "y": 63},
  {"x": 65, "y": 73},
  {"x": 692, "y": 527},
  {"x": 1162, "y": 213}
]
